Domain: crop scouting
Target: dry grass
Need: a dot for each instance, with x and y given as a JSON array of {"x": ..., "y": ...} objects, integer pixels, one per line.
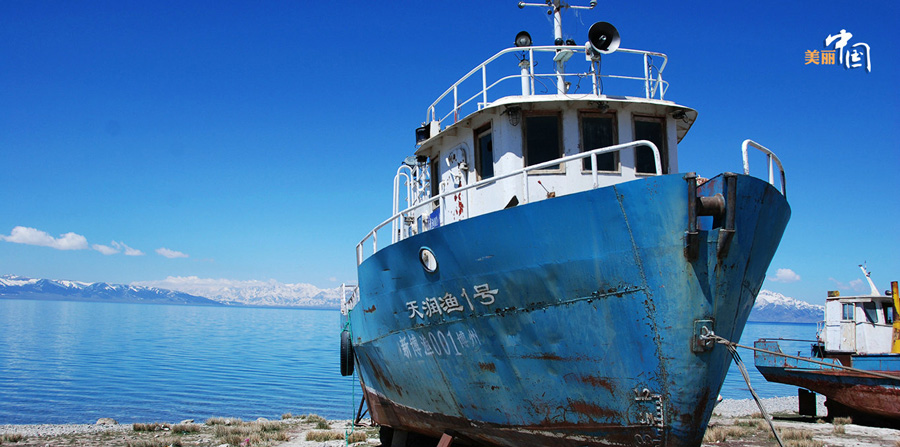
[
  {"x": 223, "y": 421},
  {"x": 721, "y": 434},
  {"x": 842, "y": 421},
  {"x": 357, "y": 436},
  {"x": 153, "y": 426},
  {"x": 185, "y": 428},
  {"x": 324, "y": 435},
  {"x": 164, "y": 442},
  {"x": 793, "y": 437},
  {"x": 12, "y": 437},
  {"x": 313, "y": 418},
  {"x": 249, "y": 433}
]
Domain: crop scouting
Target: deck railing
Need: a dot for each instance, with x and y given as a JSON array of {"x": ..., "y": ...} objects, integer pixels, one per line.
[
  {"x": 654, "y": 85},
  {"x": 398, "y": 218},
  {"x": 770, "y": 157}
]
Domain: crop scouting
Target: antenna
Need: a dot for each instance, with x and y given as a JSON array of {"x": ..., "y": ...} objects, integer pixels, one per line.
[{"x": 868, "y": 278}]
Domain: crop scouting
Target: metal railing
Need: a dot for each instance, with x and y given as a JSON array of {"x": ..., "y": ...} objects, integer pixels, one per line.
[
  {"x": 348, "y": 303},
  {"x": 653, "y": 85},
  {"x": 397, "y": 217},
  {"x": 770, "y": 156}
]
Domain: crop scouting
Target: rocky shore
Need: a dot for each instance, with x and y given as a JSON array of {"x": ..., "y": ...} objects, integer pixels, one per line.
[{"x": 735, "y": 423}]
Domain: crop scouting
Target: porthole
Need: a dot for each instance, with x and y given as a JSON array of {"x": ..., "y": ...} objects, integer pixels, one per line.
[{"x": 428, "y": 260}]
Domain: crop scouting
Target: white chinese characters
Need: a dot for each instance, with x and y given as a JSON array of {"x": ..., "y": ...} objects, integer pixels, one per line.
[{"x": 449, "y": 303}]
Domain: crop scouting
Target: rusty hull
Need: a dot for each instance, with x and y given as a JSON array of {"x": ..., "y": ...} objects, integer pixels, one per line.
[{"x": 565, "y": 322}]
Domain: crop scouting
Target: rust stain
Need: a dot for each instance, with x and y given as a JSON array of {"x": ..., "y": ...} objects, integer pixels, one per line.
[
  {"x": 600, "y": 382},
  {"x": 369, "y": 310},
  {"x": 487, "y": 366},
  {"x": 543, "y": 356},
  {"x": 590, "y": 409}
]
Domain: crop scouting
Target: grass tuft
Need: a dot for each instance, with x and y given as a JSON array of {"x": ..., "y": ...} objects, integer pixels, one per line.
[
  {"x": 324, "y": 435},
  {"x": 223, "y": 421},
  {"x": 842, "y": 421},
  {"x": 185, "y": 428},
  {"x": 721, "y": 433},
  {"x": 155, "y": 426},
  {"x": 12, "y": 437},
  {"x": 287, "y": 416},
  {"x": 163, "y": 442},
  {"x": 357, "y": 436},
  {"x": 314, "y": 418}
]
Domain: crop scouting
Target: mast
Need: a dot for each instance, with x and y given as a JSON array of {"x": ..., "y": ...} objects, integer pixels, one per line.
[
  {"x": 871, "y": 284},
  {"x": 554, "y": 8}
]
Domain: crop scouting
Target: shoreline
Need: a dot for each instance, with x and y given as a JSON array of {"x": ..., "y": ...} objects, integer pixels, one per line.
[{"x": 734, "y": 423}]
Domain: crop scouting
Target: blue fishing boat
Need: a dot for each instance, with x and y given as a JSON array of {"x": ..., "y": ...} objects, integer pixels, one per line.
[
  {"x": 547, "y": 274},
  {"x": 855, "y": 362}
]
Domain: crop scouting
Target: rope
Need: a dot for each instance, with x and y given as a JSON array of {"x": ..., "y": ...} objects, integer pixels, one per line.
[
  {"x": 805, "y": 359},
  {"x": 349, "y": 328},
  {"x": 740, "y": 364},
  {"x": 710, "y": 335}
]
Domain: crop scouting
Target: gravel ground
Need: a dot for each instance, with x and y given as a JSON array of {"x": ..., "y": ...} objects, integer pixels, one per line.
[
  {"x": 41, "y": 430},
  {"x": 746, "y": 407}
]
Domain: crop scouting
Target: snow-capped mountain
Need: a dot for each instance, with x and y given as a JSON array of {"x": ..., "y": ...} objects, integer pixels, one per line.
[
  {"x": 20, "y": 287},
  {"x": 253, "y": 292},
  {"x": 775, "y": 307}
]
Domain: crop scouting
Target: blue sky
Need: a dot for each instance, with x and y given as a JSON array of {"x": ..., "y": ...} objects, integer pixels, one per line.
[{"x": 258, "y": 140}]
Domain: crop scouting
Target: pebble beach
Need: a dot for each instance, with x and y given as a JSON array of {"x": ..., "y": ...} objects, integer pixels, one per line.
[{"x": 728, "y": 414}]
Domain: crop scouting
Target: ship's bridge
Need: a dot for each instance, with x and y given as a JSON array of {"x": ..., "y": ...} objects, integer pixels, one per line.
[{"x": 535, "y": 122}]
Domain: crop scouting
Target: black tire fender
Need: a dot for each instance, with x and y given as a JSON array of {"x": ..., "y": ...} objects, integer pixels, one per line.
[{"x": 346, "y": 354}]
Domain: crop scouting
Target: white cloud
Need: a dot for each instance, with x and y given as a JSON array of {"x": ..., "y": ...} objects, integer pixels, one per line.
[
  {"x": 107, "y": 250},
  {"x": 117, "y": 247},
  {"x": 332, "y": 279},
  {"x": 171, "y": 254},
  {"x": 128, "y": 250},
  {"x": 855, "y": 285},
  {"x": 32, "y": 236},
  {"x": 785, "y": 275}
]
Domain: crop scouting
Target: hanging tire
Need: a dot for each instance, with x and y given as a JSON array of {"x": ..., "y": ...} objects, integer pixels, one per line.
[{"x": 346, "y": 354}]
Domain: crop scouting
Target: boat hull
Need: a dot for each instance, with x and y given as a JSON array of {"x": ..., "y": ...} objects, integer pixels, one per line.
[
  {"x": 877, "y": 396},
  {"x": 569, "y": 321}
]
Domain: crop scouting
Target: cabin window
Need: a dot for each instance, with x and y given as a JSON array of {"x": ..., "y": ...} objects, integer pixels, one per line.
[
  {"x": 599, "y": 130},
  {"x": 888, "y": 309},
  {"x": 543, "y": 139},
  {"x": 847, "y": 311},
  {"x": 871, "y": 313},
  {"x": 435, "y": 175},
  {"x": 484, "y": 153},
  {"x": 653, "y": 130}
]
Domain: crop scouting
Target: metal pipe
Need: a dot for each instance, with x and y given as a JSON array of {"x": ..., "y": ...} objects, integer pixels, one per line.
[{"x": 895, "y": 345}]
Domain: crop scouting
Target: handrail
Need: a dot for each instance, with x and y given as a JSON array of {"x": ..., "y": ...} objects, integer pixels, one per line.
[
  {"x": 524, "y": 172},
  {"x": 769, "y": 157},
  {"x": 656, "y": 82}
]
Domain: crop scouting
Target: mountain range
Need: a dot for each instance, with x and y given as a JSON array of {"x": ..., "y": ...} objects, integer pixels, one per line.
[
  {"x": 20, "y": 287},
  {"x": 770, "y": 306},
  {"x": 777, "y": 308}
]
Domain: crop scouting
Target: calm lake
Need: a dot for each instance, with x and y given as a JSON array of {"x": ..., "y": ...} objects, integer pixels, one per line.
[{"x": 73, "y": 362}]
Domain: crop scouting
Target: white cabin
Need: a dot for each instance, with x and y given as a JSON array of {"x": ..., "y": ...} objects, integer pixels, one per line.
[
  {"x": 859, "y": 324},
  {"x": 536, "y": 122}
]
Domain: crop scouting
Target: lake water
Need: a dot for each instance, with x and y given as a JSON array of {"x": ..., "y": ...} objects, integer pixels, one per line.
[{"x": 74, "y": 362}]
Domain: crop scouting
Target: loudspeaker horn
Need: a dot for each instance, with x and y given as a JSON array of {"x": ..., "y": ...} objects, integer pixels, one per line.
[
  {"x": 604, "y": 38},
  {"x": 523, "y": 39}
]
